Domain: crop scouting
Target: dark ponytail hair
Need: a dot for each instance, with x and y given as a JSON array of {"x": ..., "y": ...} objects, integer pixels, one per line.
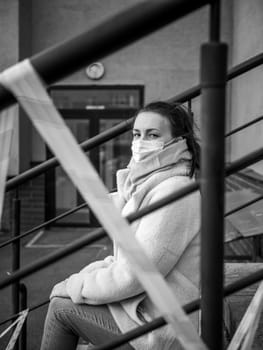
[{"x": 182, "y": 125}]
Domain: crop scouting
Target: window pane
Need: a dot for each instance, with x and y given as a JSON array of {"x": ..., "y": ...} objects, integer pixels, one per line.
[{"x": 100, "y": 98}]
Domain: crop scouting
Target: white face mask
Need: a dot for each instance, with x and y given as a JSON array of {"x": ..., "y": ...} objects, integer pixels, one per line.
[{"x": 142, "y": 149}]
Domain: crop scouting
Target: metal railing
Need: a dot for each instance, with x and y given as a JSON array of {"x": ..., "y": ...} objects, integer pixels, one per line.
[
  {"x": 99, "y": 233},
  {"x": 76, "y": 53},
  {"x": 149, "y": 210},
  {"x": 111, "y": 35},
  {"x": 126, "y": 125},
  {"x": 87, "y": 146}
]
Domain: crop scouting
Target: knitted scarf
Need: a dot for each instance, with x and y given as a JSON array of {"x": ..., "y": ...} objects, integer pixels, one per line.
[{"x": 173, "y": 160}]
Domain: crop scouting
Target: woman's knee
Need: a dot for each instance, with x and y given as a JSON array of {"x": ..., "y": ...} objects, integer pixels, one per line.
[{"x": 58, "y": 304}]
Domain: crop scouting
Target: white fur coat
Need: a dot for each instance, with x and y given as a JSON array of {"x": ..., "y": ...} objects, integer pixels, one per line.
[{"x": 169, "y": 236}]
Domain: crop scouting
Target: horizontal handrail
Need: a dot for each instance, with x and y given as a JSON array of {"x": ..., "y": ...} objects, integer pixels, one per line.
[
  {"x": 52, "y": 257},
  {"x": 243, "y": 162},
  {"x": 126, "y": 125},
  {"x": 109, "y": 36},
  {"x": 83, "y": 205},
  {"x": 195, "y": 304},
  {"x": 245, "y": 66},
  {"x": 160, "y": 321},
  {"x": 87, "y": 145},
  {"x": 45, "y": 262},
  {"x": 188, "y": 308},
  {"x": 62, "y": 56},
  {"x": 233, "y": 72},
  {"x": 237, "y": 165},
  {"x": 244, "y": 126},
  {"x": 43, "y": 225},
  {"x": 32, "y": 308},
  {"x": 242, "y": 206}
]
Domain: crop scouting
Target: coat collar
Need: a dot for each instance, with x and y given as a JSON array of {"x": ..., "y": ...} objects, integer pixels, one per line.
[
  {"x": 173, "y": 160},
  {"x": 165, "y": 159}
]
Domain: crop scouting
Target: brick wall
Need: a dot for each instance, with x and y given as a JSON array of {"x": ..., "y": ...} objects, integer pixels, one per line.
[
  {"x": 32, "y": 196},
  {"x": 6, "y": 221}
]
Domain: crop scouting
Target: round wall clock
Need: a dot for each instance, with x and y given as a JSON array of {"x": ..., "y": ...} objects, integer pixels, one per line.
[{"x": 95, "y": 70}]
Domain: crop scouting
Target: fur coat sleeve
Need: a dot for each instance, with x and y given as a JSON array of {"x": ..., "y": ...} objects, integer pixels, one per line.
[{"x": 164, "y": 235}]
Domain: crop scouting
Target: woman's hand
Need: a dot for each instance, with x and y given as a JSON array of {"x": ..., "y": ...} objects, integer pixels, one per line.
[
  {"x": 74, "y": 287},
  {"x": 59, "y": 290},
  {"x": 97, "y": 264}
]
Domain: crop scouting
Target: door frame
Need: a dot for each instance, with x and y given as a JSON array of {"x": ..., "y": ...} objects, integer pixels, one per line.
[{"x": 50, "y": 200}]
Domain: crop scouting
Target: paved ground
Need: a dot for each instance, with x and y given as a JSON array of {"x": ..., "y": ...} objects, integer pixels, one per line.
[
  {"x": 39, "y": 284},
  {"x": 45, "y": 242}
]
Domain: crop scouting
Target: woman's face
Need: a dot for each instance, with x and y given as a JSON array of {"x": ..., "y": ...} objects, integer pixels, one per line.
[{"x": 152, "y": 126}]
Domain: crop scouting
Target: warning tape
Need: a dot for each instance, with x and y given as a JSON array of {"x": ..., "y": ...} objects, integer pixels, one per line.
[
  {"x": 24, "y": 83},
  {"x": 19, "y": 324},
  {"x": 7, "y": 119},
  {"x": 245, "y": 333}
]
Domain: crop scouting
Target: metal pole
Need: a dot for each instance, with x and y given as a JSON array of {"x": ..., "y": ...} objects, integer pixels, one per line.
[
  {"x": 120, "y": 128},
  {"x": 214, "y": 21},
  {"x": 213, "y": 81},
  {"x": 16, "y": 256},
  {"x": 23, "y": 302},
  {"x": 241, "y": 163},
  {"x": 86, "y": 146},
  {"x": 189, "y": 308},
  {"x": 159, "y": 322}
]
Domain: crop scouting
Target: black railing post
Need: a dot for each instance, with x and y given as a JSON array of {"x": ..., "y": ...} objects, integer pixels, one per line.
[
  {"x": 16, "y": 256},
  {"x": 213, "y": 81},
  {"x": 213, "y": 84},
  {"x": 214, "y": 24},
  {"x": 189, "y": 104},
  {"x": 23, "y": 303}
]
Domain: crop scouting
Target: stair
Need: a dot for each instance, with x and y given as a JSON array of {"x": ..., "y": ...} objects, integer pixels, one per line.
[{"x": 246, "y": 184}]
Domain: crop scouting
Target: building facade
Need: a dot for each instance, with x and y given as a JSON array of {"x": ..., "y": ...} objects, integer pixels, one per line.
[{"x": 97, "y": 97}]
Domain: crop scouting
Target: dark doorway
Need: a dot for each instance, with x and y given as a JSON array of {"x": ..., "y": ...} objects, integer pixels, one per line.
[{"x": 61, "y": 195}]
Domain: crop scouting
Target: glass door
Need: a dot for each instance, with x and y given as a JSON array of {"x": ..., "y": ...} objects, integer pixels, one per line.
[
  {"x": 114, "y": 154},
  {"x": 89, "y": 110},
  {"x": 66, "y": 195},
  {"x": 107, "y": 159}
]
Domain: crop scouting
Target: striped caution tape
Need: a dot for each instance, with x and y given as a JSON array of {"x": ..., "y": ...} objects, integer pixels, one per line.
[
  {"x": 7, "y": 119},
  {"x": 19, "y": 324},
  {"x": 24, "y": 83},
  {"x": 245, "y": 333}
]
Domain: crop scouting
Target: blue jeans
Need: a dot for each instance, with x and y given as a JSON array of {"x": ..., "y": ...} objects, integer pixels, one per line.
[{"x": 66, "y": 322}]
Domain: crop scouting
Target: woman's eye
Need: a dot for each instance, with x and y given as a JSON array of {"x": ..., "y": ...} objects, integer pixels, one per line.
[
  {"x": 153, "y": 136},
  {"x": 136, "y": 135}
]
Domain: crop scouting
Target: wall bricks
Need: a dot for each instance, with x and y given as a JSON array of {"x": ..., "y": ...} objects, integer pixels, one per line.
[{"x": 32, "y": 196}]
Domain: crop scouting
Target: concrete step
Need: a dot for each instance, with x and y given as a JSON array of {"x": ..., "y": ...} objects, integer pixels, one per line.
[{"x": 239, "y": 301}]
